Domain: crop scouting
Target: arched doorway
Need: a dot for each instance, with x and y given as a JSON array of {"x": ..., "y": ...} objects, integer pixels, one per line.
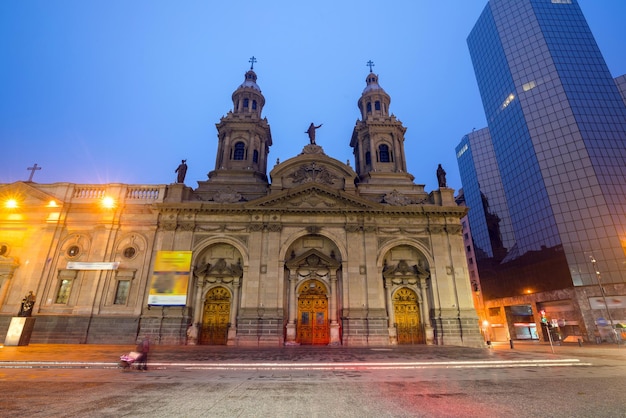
[
  {"x": 407, "y": 315},
  {"x": 215, "y": 317},
  {"x": 313, "y": 324}
]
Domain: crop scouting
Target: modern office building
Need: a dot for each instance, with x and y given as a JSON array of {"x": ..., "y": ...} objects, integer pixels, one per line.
[
  {"x": 546, "y": 182},
  {"x": 323, "y": 254}
]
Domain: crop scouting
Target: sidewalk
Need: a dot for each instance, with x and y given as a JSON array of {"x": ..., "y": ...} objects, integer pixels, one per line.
[{"x": 88, "y": 355}]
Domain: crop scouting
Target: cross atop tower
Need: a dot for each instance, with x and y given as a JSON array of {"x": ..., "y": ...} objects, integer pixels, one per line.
[
  {"x": 32, "y": 172},
  {"x": 370, "y": 64},
  {"x": 252, "y": 60}
]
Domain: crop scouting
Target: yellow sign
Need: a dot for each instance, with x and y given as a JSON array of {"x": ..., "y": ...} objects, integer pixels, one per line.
[{"x": 170, "y": 279}]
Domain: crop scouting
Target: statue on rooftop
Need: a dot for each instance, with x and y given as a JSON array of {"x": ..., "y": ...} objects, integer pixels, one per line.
[
  {"x": 441, "y": 176},
  {"x": 311, "y": 132},
  {"x": 182, "y": 171}
]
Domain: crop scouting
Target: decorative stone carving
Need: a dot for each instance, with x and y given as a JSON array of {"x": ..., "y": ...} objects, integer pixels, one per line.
[
  {"x": 454, "y": 229},
  {"x": 187, "y": 226},
  {"x": 227, "y": 196},
  {"x": 396, "y": 199},
  {"x": 312, "y": 149},
  {"x": 403, "y": 273},
  {"x": 311, "y": 229},
  {"x": 168, "y": 225},
  {"x": 312, "y": 173},
  {"x": 255, "y": 227},
  {"x": 313, "y": 200}
]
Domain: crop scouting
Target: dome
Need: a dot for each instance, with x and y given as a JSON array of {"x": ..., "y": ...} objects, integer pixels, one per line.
[
  {"x": 250, "y": 81},
  {"x": 372, "y": 83}
]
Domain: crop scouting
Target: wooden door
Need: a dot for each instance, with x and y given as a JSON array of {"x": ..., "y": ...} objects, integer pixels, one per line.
[
  {"x": 407, "y": 317},
  {"x": 313, "y": 325},
  {"x": 216, "y": 317}
]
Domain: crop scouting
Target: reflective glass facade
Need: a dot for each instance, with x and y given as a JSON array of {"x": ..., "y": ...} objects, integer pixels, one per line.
[{"x": 552, "y": 165}]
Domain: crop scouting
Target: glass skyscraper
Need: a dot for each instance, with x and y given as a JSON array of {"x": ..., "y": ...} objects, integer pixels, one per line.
[{"x": 546, "y": 182}]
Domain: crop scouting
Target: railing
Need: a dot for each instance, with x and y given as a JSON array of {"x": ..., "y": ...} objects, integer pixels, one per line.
[{"x": 136, "y": 194}]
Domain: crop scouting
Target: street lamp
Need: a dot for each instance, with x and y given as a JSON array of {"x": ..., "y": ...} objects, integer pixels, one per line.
[{"x": 608, "y": 311}]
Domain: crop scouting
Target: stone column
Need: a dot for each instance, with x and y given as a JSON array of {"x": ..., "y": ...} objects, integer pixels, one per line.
[
  {"x": 234, "y": 308},
  {"x": 334, "y": 325},
  {"x": 393, "y": 332},
  {"x": 291, "y": 323},
  {"x": 425, "y": 310}
]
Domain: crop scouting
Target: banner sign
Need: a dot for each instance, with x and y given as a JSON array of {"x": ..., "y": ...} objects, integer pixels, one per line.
[
  {"x": 170, "y": 278},
  {"x": 612, "y": 302},
  {"x": 81, "y": 265}
]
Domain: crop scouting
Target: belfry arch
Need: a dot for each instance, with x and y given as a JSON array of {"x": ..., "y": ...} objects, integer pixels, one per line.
[
  {"x": 313, "y": 301},
  {"x": 407, "y": 292}
]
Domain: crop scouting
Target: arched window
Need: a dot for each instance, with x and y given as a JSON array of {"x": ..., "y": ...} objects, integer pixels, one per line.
[
  {"x": 368, "y": 158},
  {"x": 246, "y": 103},
  {"x": 240, "y": 150},
  {"x": 254, "y": 105},
  {"x": 377, "y": 105},
  {"x": 255, "y": 156},
  {"x": 383, "y": 153},
  {"x": 369, "y": 107}
]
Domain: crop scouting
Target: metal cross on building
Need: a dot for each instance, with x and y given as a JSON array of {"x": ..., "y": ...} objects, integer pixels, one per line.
[
  {"x": 370, "y": 64},
  {"x": 252, "y": 60},
  {"x": 32, "y": 172}
]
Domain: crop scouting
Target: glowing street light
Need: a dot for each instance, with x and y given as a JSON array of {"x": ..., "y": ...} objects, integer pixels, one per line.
[
  {"x": 608, "y": 311},
  {"x": 11, "y": 204},
  {"x": 108, "y": 202}
]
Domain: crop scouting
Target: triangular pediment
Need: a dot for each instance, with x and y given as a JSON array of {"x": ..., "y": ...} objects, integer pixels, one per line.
[
  {"x": 313, "y": 196},
  {"x": 313, "y": 259},
  {"x": 26, "y": 194}
]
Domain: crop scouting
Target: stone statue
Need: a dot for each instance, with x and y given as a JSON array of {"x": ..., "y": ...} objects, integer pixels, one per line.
[
  {"x": 27, "y": 305},
  {"x": 182, "y": 171},
  {"x": 441, "y": 176},
  {"x": 311, "y": 132}
]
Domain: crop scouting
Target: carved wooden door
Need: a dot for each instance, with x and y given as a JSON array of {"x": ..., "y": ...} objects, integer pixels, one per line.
[
  {"x": 313, "y": 327},
  {"x": 216, "y": 317},
  {"x": 407, "y": 317}
]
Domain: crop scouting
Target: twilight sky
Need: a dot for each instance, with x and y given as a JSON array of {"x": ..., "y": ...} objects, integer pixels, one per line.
[{"x": 122, "y": 90}]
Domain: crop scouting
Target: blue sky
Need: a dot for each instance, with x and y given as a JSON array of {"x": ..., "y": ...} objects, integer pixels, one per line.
[{"x": 120, "y": 91}]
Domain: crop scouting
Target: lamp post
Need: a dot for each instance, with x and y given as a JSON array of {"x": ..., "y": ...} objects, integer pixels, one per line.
[{"x": 608, "y": 311}]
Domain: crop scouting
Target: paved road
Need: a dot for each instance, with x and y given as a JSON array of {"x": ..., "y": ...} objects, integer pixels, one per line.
[{"x": 529, "y": 381}]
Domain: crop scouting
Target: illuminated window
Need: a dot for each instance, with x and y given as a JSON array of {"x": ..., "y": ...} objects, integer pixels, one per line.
[
  {"x": 508, "y": 100},
  {"x": 240, "y": 149},
  {"x": 73, "y": 251},
  {"x": 63, "y": 292},
  {"x": 121, "y": 293},
  {"x": 529, "y": 86},
  {"x": 561, "y": 1}
]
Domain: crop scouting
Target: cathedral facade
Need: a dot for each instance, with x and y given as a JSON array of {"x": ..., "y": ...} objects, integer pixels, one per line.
[{"x": 323, "y": 254}]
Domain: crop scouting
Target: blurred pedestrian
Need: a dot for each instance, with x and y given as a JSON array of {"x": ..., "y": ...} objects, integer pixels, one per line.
[{"x": 143, "y": 347}]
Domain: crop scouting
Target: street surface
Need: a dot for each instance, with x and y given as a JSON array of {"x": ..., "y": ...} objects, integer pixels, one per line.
[{"x": 420, "y": 381}]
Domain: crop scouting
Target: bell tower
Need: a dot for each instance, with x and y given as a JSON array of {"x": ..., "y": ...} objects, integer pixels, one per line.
[
  {"x": 378, "y": 145},
  {"x": 244, "y": 141}
]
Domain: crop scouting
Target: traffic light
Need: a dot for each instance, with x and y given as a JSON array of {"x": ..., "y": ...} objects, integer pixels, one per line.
[{"x": 544, "y": 319}]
